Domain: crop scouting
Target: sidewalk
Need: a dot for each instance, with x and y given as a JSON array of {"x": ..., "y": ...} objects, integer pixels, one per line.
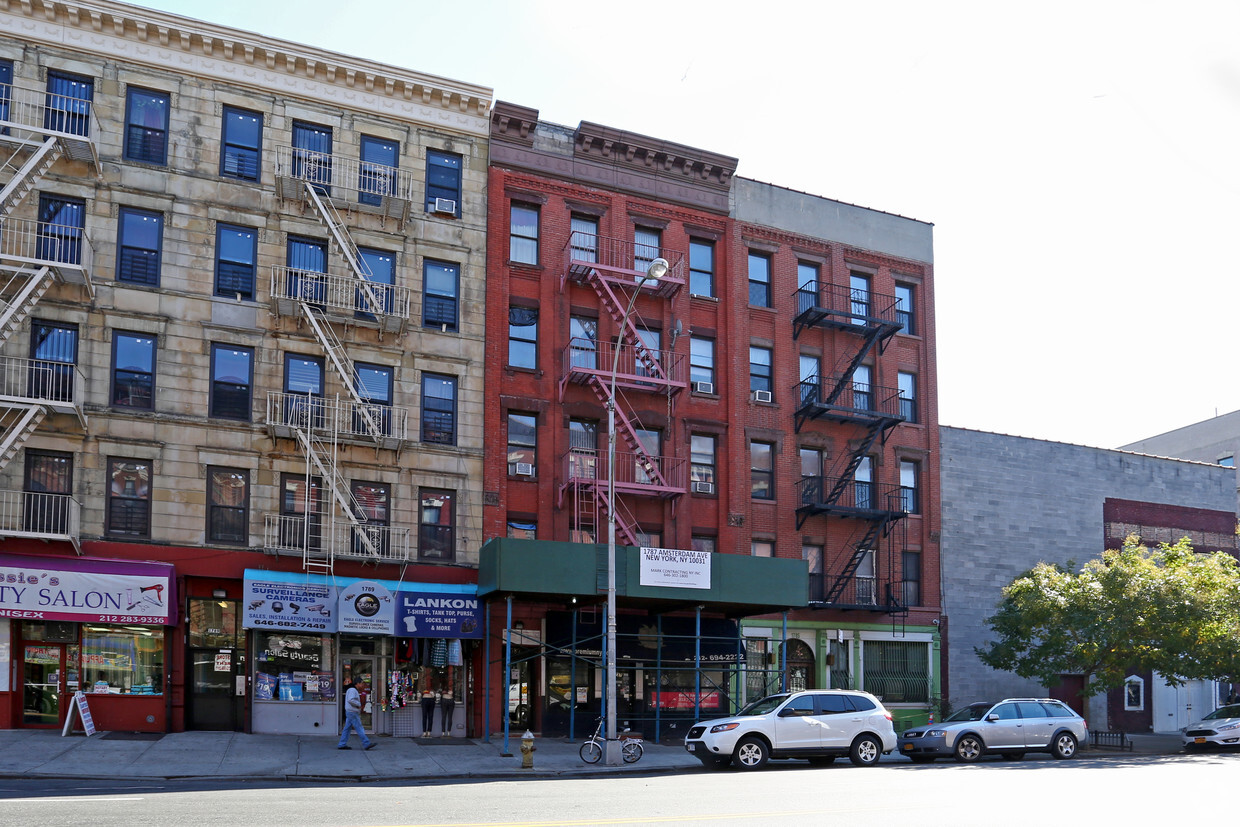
[{"x": 238, "y": 756}]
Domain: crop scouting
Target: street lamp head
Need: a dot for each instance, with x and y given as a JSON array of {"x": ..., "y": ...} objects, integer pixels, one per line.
[{"x": 657, "y": 269}]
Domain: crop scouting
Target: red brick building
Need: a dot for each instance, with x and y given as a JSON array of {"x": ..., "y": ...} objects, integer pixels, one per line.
[{"x": 758, "y": 417}]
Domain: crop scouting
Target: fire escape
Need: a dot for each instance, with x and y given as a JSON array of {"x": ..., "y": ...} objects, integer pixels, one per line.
[
  {"x": 613, "y": 269},
  {"x": 867, "y": 322},
  {"x": 38, "y": 129},
  {"x": 321, "y": 302}
]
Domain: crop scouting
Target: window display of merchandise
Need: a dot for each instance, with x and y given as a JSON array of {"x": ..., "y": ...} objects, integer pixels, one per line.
[
  {"x": 294, "y": 668},
  {"x": 122, "y": 660},
  {"x": 425, "y": 686}
]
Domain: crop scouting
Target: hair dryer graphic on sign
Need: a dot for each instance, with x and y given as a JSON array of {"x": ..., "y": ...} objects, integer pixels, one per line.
[{"x": 144, "y": 596}]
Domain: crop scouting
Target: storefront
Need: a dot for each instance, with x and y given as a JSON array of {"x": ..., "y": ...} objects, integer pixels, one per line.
[
  {"x": 311, "y": 635},
  {"x": 70, "y": 624}
]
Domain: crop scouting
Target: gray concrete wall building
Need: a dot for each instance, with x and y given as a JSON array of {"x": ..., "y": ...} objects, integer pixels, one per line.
[{"x": 1012, "y": 502}]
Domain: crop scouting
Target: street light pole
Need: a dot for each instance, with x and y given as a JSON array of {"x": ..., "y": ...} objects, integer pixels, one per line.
[{"x": 611, "y": 753}]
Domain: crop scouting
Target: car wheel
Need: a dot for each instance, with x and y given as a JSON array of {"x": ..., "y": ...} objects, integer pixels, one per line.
[
  {"x": 865, "y": 751},
  {"x": 822, "y": 760},
  {"x": 1013, "y": 756},
  {"x": 1064, "y": 746},
  {"x": 751, "y": 753},
  {"x": 921, "y": 759},
  {"x": 969, "y": 748}
]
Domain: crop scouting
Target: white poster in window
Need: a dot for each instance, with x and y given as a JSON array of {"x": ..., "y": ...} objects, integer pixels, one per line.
[{"x": 675, "y": 567}]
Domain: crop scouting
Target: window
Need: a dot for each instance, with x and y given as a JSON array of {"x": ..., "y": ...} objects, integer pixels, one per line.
[
  {"x": 807, "y": 276},
  {"x": 583, "y": 449},
  {"x": 1134, "y": 696},
  {"x": 380, "y": 271},
  {"x": 129, "y": 498},
  {"x": 523, "y": 234},
  {"x": 297, "y": 669},
  {"x": 645, "y": 364},
  {"x": 897, "y": 671},
  {"x": 810, "y": 370},
  {"x": 522, "y": 529},
  {"x": 862, "y": 389},
  {"x": 68, "y": 103},
  {"x": 701, "y": 542},
  {"x": 910, "y": 500},
  {"x": 236, "y": 251},
  {"x": 374, "y": 386},
  {"x": 140, "y": 242},
  {"x": 762, "y": 470},
  {"x": 301, "y": 512},
  {"x": 864, "y": 580},
  {"x": 438, "y": 409},
  {"x": 702, "y": 459},
  {"x": 228, "y": 506},
  {"x": 306, "y": 259},
  {"x": 62, "y": 223},
  {"x": 122, "y": 660},
  {"x": 702, "y": 360},
  {"x": 242, "y": 144},
  {"x": 6, "y": 91},
  {"x": 759, "y": 368},
  {"x": 762, "y": 548},
  {"x": 522, "y": 444},
  {"x": 583, "y": 339},
  {"x": 232, "y": 377},
  {"x": 523, "y": 337},
  {"x": 47, "y": 488},
  {"x": 443, "y": 182},
  {"x": 701, "y": 267},
  {"x": 584, "y": 238},
  {"x": 376, "y": 176},
  {"x": 133, "y": 371},
  {"x": 646, "y": 469},
  {"x": 53, "y": 354},
  {"x": 859, "y": 296},
  {"x": 439, "y": 294},
  {"x": 304, "y": 406},
  {"x": 312, "y": 155},
  {"x": 146, "y": 126},
  {"x": 646, "y": 244},
  {"x": 904, "y": 308},
  {"x": 863, "y": 483},
  {"x": 374, "y": 499},
  {"x": 759, "y": 280},
  {"x": 812, "y": 555},
  {"x": 436, "y": 526},
  {"x": 649, "y": 539},
  {"x": 1227, "y": 462},
  {"x": 908, "y": 396},
  {"x": 910, "y": 586},
  {"x": 811, "y": 476}
]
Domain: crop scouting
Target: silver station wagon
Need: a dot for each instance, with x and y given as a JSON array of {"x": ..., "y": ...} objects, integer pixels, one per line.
[{"x": 1009, "y": 728}]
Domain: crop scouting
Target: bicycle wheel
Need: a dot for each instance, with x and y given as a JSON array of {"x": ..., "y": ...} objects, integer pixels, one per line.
[
  {"x": 632, "y": 751},
  {"x": 590, "y": 752}
]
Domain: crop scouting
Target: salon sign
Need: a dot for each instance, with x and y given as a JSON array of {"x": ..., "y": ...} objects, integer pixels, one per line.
[{"x": 100, "y": 591}]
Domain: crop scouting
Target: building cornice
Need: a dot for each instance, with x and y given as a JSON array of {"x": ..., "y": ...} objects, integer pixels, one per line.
[{"x": 182, "y": 44}]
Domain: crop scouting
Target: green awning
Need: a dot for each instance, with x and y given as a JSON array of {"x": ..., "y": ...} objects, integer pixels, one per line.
[{"x": 740, "y": 585}]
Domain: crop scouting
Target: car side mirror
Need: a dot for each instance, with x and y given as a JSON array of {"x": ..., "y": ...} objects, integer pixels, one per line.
[
  {"x": 992, "y": 717},
  {"x": 787, "y": 712}
]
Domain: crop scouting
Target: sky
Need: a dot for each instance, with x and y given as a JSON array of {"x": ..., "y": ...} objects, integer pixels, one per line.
[{"x": 1080, "y": 161}]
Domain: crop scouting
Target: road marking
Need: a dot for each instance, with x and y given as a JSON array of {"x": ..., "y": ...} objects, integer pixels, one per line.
[{"x": 70, "y": 798}]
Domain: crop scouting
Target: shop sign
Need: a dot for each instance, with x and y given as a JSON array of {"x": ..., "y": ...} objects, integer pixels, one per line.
[
  {"x": 438, "y": 614},
  {"x": 366, "y": 607},
  {"x": 289, "y": 606},
  {"x": 86, "y": 590},
  {"x": 675, "y": 568}
]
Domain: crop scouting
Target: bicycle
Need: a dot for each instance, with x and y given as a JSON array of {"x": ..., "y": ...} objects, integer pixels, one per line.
[{"x": 592, "y": 750}]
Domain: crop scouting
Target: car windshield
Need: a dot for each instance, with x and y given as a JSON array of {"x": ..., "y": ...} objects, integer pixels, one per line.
[
  {"x": 765, "y": 705},
  {"x": 972, "y": 712},
  {"x": 1232, "y": 711}
]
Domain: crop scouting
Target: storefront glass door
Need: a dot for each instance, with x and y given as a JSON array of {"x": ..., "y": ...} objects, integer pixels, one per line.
[
  {"x": 45, "y": 684},
  {"x": 216, "y": 666},
  {"x": 363, "y": 667}
]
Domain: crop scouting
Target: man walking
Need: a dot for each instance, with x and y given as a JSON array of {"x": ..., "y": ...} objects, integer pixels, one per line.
[{"x": 353, "y": 717}]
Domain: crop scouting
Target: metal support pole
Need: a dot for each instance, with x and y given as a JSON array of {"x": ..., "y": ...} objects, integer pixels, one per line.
[
  {"x": 507, "y": 682},
  {"x": 486, "y": 678}
]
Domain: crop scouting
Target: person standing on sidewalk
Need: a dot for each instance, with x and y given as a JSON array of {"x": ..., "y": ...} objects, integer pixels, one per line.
[{"x": 353, "y": 717}]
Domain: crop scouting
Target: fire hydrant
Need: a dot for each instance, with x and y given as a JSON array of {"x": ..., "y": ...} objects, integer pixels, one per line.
[{"x": 527, "y": 750}]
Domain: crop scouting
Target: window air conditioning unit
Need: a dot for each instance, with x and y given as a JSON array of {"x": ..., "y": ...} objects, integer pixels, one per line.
[
  {"x": 761, "y": 396},
  {"x": 703, "y": 488},
  {"x": 445, "y": 205},
  {"x": 703, "y": 387},
  {"x": 525, "y": 469}
]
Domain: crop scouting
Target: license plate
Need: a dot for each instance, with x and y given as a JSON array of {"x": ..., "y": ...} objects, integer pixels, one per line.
[
  {"x": 691, "y": 747},
  {"x": 1199, "y": 740}
]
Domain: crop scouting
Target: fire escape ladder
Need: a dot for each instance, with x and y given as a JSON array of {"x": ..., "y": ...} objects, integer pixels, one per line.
[
  {"x": 348, "y": 248},
  {"x": 624, "y": 427},
  {"x": 14, "y": 311},
  {"x": 323, "y": 459},
  {"x": 846, "y": 475},
  {"x": 630, "y": 333},
  {"x": 626, "y": 523},
  {"x": 17, "y": 423},
  {"x": 343, "y": 365},
  {"x": 24, "y": 177},
  {"x": 859, "y": 550}
]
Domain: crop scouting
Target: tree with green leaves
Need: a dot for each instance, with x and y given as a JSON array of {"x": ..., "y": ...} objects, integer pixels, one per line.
[{"x": 1167, "y": 609}]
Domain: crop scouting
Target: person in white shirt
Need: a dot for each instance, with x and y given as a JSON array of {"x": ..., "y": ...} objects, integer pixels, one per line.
[{"x": 353, "y": 717}]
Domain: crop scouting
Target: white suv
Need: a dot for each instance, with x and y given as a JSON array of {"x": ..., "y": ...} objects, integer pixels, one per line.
[{"x": 817, "y": 724}]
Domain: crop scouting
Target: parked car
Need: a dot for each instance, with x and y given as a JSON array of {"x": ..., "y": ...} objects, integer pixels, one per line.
[
  {"x": 1010, "y": 728},
  {"x": 820, "y": 725},
  {"x": 1221, "y": 728}
]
